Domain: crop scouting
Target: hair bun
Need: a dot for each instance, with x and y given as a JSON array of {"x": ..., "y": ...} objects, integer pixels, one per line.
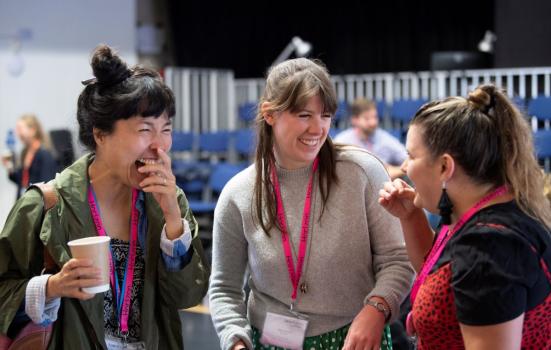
[
  {"x": 483, "y": 97},
  {"x": 109, "y": 69}
]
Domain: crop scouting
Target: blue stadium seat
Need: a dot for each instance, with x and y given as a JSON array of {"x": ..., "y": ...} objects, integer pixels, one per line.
[
  {"x": 214, "y": 142},
  {"x": 540, "y": 107},
  {"x": 182, "y": 141},
  {"x": 192, "y": 177},
  {"x": 542, "y": 146},
  {"x": 401, "y": 113},
  {"x": 539, "y": 111},
  {"x": 381, "y": 108},
  {"x": 519, "y": 102},
  {"x": 221, "y": 174},
  {"x": 341, "y": 114},
  {"x": 542, "y": 143},
  {"x": 404, "y": 110},
  {"x": 245, "y": 142}
]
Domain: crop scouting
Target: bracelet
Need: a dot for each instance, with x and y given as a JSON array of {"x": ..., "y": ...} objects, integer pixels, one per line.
[{"x": 379, "y": 307}]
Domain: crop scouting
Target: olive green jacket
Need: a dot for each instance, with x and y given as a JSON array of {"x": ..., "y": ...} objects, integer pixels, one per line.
[{"x": 80, "y": 324}]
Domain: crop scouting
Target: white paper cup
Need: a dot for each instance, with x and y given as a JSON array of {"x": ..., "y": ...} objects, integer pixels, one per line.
[
  {"x": 7, "y": 155},
  {"x": 96, "y": 249}
]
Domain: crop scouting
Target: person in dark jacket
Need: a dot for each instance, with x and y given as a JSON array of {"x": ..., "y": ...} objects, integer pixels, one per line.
[{"x": 36, "y": 163}]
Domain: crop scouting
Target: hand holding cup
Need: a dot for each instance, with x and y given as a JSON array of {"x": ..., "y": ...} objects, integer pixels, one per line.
[{"x": 84, "y": 275}]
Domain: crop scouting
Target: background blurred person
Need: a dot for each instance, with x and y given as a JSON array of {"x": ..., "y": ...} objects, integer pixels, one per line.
[
  {"x": 36, "y": 163},
  {"x": 365, "y": 133}
]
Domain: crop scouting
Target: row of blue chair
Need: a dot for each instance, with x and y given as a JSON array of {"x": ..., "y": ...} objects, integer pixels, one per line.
[
  {"x": 214, "y": 142},
  {"x": 197, "y": 173}
]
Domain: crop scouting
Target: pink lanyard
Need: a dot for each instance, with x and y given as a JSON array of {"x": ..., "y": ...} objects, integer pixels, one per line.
[
  {"x": 443, "y": 239},
  {"x": 121, "y": 297},
  {"x": 294, "y": 276}
]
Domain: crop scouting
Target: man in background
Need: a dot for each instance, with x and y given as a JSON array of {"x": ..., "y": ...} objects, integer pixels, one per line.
[{"x": 365, "y": 133}]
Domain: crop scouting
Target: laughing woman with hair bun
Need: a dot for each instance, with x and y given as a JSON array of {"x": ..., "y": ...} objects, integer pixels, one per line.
[{"x": 123, "y": 188}]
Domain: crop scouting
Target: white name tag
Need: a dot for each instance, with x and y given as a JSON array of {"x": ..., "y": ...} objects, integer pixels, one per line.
[
  {"x": 283, "y": 331},
  {"x": 114, "y": 343}
]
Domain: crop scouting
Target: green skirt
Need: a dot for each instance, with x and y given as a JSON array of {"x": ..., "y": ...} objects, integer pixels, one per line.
[{"x": 333, "y": 340}]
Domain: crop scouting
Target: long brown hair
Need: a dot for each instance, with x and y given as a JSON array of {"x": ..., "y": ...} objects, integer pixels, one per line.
[
  {"x": 491, "y": 140},
  {"x": 289, "y": 86}
]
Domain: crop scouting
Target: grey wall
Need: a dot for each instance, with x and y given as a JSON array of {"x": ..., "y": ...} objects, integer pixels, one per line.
[{"x": 64, "y": 32}]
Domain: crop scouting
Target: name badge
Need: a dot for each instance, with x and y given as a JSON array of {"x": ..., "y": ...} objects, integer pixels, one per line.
[
  {"x": 283, "y": 331},
  {"x": 114, "y": 343}
]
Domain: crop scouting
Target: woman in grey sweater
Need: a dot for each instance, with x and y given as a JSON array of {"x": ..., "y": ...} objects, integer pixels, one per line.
[{"x": 327, "y": 265}]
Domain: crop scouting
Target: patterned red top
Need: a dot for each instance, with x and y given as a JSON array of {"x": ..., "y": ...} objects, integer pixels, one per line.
[{"x": 491, "y": 272}]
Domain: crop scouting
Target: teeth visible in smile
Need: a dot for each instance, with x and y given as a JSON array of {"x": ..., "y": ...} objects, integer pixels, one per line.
[
  {"x": 309, "y": 142},
  {"x": 149, "y": 161}
]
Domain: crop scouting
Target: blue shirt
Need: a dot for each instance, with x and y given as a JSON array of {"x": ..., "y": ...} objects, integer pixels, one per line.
[{"x": 381, "y": 143}]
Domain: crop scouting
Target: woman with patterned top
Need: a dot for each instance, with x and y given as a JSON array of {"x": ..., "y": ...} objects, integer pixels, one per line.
[
  {"x": 483, "y": 282},
  {"x": 328, "y": 267},
  {"x": 124, "y": 189}
]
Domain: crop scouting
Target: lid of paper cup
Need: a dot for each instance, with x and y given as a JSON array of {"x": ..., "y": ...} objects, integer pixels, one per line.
[{"x": 89, "y": 240}]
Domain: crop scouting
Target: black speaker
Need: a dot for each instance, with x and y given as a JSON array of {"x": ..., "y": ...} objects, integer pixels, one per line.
[
  {"x": 453, "y": 60},
  {"x": 62, "y": 142}
]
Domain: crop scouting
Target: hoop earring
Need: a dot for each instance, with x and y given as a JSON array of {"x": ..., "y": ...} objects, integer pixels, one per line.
[{"x": 445, "y": 206}]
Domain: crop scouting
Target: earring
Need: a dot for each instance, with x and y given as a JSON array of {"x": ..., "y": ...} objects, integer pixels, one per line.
[{"x": 445, "y": 206}]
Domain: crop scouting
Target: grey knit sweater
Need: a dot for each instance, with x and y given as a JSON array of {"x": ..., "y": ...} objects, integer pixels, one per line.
[{"x": 354, "y": 252}]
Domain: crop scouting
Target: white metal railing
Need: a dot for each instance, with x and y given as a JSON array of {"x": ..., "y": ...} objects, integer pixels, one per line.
[
  {"x": 388, "y": 87},
  {"x": 208, "y": 99},
  {"x": 205, "y": 99}
]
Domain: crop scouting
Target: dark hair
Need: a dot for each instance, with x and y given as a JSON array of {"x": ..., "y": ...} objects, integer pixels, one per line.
[
  {"x": 361, "y": 105},
  {"x": 118, "y": 92},
  {"x": 289, "y": 86},
  {"x": 491, "y": 140}
]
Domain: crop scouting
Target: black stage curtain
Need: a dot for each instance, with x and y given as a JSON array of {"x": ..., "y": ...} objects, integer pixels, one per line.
[
  {"x": 349, "y": 36},
  {"x": 523, "y": 31}
]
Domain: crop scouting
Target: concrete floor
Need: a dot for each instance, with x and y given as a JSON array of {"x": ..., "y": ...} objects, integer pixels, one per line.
[{"x": 198, "y": 331}]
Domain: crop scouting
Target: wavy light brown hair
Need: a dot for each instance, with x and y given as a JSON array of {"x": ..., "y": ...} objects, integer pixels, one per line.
[
  {"x": 490, "y": 139},
  {"x": 289, "y": 87},
  {"x": 32, "y": 122}
]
